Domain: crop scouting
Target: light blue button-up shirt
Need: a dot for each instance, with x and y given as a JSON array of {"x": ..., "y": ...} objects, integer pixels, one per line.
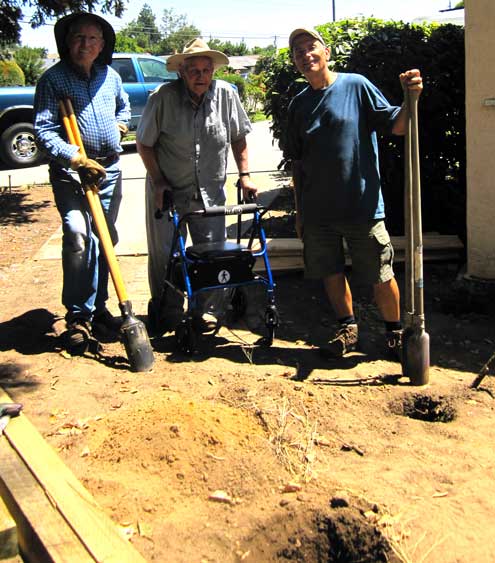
[{"x": 99, "y": 102}]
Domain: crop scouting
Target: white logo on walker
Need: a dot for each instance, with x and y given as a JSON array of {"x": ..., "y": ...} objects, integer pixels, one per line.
[{"x": 223, "y": 276}]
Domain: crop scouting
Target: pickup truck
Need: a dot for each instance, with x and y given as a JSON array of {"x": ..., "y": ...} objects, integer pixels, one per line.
[{"x": 140, "y": 74}]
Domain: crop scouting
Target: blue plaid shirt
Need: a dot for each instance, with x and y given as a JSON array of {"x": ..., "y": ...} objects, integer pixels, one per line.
[{"x": 99, "y": 103}]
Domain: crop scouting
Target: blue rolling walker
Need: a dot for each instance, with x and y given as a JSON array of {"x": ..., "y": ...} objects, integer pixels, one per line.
[{"x": 207, "y": 266}]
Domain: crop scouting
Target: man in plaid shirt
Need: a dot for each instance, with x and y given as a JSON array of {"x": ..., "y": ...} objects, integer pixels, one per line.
[{"x": 85, "y": 44}]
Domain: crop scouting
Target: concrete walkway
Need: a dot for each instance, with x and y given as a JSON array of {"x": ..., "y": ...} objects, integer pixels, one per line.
[{"x": 264, "y": 158}]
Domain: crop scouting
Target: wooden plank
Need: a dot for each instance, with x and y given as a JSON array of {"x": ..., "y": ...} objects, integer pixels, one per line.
[
  {"x": 96, "y": 532},
  {"x": 286, "y": 254},
  {"x": 9, "y": 546},
  {"x": 43, "y": 534},
  {"x": 291, "y": 246}
]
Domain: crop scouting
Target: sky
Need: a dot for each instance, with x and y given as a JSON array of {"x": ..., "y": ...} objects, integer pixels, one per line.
[{"x": 258, "y": 22}]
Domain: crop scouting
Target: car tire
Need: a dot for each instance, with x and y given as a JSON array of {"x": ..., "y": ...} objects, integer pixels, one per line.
[{"x": 18, "y": 147}]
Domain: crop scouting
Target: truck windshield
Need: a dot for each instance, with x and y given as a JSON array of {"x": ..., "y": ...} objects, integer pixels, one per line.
[{"x": 155, "y": 71}]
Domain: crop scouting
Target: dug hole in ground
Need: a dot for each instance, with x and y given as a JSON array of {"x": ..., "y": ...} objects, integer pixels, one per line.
[{"x": 240, "y": 453}]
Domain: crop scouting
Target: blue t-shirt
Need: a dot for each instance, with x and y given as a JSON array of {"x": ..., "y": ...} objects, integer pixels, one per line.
[{"x": 333, "y": 133}]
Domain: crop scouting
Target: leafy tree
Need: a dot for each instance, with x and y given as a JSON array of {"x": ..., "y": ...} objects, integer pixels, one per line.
[
  {"x": 126, "y": 44},
  {"x": 229, "y": 48},
  {"x": 264, "y": 51},
  {"x": 30, "y": 59},
  {"x": 143, "y": 31},
  {"x": 176, "y": 41},
  {"x": 12, "y": 13},
  {"x": 176, "y": 32}
]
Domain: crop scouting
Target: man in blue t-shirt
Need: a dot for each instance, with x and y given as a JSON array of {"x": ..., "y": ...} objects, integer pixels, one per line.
[{"x": 332, "y": 144}]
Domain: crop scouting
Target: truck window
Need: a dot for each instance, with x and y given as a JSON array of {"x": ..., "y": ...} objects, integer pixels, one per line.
[
  {"x": 125, "y": 68},
  {"x": 155, "y": 71}
]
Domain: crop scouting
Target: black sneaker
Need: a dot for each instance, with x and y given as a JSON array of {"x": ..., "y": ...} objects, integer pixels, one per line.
[
  {"x": 344, "y": 341},
  {"x": 77, "y": 335},
  {"x": 204, "y": 326},
  {"x": 106, "y": 326},
  {"x": 393, "y": 342}
]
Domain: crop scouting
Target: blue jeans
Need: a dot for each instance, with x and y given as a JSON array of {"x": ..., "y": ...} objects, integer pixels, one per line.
[{"x": 85, "y": 270}]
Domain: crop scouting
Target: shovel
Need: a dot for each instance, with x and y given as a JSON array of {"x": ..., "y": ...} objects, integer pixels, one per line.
[
  {"x": 415, "y": 341},
  {"x": 136, "y": 341}
]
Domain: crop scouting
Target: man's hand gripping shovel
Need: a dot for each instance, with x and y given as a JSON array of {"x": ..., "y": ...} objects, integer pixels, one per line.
[
  {"x": 133, "y": 331},
  {"x": 415, "y": 341}
]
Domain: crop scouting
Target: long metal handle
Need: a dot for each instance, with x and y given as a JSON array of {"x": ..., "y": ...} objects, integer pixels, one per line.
[
  {"x": 416, "y": 213},
  {"x": 408, "y": 222}
]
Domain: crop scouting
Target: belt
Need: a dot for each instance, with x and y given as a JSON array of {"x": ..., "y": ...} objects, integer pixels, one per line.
[{"x": 107, "y": 160}]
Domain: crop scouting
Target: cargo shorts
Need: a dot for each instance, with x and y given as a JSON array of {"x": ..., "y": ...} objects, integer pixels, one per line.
[{"x": 368, "y": 245}]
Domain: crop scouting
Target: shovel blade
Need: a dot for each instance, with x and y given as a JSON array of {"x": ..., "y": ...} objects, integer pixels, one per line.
[
  {"x": 416, "y": 355},
  {"x": 136, "y": 340}
]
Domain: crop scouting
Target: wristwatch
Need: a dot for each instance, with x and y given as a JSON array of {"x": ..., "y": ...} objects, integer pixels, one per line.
[{"x": 241, "y": 174}]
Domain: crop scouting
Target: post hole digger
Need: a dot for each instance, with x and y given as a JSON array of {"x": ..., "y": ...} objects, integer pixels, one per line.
[
  {"x": 133, "y": 331},
  {"x": 415, "y": 341}
]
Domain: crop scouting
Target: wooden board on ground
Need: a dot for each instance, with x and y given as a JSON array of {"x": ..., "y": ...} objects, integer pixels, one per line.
[
  {"x": 9, "y": 546},
  {"x": 286, "y": 254},
  {"x": 54, "y": 513}
]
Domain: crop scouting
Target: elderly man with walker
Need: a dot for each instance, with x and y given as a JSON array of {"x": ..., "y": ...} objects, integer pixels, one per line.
[{"x": 183, "y": 138}]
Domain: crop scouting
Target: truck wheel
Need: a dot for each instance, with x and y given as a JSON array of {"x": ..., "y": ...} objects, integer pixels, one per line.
[{"x": 18, "y": 147}]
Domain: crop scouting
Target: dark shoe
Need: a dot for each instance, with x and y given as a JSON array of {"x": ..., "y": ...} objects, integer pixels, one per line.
[
  {"x": 203, "y": 326},
  {"x": 344, "y": 341},
  {"x": 106, "y": 326},
  {"x": 393, "y": 341},
  {"x": 77, "y": 335}
]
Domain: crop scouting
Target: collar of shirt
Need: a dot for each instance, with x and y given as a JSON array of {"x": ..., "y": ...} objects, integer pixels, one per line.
[
  {"x": 209, "y": 94},
  {"x": 76, "y": 70}
]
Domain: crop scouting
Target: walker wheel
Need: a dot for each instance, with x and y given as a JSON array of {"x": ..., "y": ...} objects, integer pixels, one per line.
[{"x": 271, "y": 322}]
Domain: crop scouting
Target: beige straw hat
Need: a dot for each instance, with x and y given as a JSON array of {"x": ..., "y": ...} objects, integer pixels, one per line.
[{"x": 197, "y": 48}]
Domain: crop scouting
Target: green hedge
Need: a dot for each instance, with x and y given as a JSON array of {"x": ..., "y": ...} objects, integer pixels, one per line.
[
  {"x": 380, "y": 51},
  {"x": 233, "y": 78}
]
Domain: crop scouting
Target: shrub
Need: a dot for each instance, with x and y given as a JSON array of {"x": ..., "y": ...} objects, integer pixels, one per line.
[
  {"x": 235, "y": 79},
  {"x": 11, "y": 74}
]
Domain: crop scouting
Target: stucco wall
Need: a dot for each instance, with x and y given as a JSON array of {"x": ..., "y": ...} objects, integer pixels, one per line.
[{"x": 480, "y": 131}]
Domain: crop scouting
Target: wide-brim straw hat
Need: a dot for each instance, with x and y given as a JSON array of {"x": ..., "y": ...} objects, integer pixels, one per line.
[
  {"x": 197, "y": 48},
  {"x": 62, "y": 29}
]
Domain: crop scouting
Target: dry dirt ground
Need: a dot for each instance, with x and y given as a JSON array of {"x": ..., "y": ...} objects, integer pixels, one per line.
[{"x": 241, "y": 453}]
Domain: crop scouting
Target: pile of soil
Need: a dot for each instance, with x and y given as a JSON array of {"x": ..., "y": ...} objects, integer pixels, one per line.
[{"x": 245, "y": 453}]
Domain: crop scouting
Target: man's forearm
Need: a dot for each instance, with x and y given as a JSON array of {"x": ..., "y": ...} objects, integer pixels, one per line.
[
  {"x": 150, "y": 162},
  {"x": 240, "y": 152},
  {"x": 400, "y": 123},
  {"x": 297, "y": 181}
]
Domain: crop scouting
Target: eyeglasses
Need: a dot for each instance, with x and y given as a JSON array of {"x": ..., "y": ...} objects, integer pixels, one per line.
[
  {"x": 88, "y": 39},
  {"x": 198, "y": 73}
]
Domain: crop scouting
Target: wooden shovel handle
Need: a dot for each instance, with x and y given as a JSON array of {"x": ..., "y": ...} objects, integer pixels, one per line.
[{"x": 74, "y": 135}]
